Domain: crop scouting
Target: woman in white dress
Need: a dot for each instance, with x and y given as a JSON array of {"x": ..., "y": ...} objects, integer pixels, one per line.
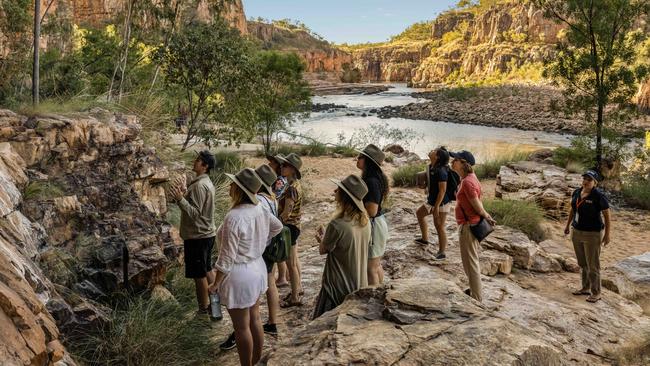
[{"x": 241, "y": 276}]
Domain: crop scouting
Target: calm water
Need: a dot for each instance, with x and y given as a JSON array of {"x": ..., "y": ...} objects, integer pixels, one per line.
[{"x": 484, "y": 142}]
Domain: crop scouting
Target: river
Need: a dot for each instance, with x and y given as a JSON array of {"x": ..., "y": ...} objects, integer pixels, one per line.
[{"x": 484, "y": 142}]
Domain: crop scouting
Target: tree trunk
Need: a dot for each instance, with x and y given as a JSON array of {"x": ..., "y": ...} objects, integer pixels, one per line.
[
  {"x": 37, "y": 37},
  {"x": 127, "y": 40},
  {"x": 599, "y": 133}
]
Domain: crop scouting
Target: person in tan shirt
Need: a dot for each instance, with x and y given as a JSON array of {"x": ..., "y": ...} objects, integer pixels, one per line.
[{"x": 197, "y": 228}]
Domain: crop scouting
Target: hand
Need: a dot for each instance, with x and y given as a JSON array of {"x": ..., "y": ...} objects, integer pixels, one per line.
[
  {"x": 606, "y": 239},
  {"x": 566, "y": 230},
  {"x": 213, "y": 288},
  {"x": 436, "y": 211},
  {"x": 176, "y": 193},
  {"x": 490, "y": 220}
]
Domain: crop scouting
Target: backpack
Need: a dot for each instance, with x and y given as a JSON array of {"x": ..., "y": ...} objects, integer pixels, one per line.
[
  {"x": 453, "y": 181},
  {"x": 280, "y": 247}
]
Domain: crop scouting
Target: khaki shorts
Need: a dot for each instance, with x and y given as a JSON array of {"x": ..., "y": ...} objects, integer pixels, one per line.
[
  {"x": 379, "y": 234},
  {"x": 442, "y": 209}
]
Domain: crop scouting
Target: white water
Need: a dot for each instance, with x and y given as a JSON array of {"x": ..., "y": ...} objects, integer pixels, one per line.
[{"x": 484, "y": 142}]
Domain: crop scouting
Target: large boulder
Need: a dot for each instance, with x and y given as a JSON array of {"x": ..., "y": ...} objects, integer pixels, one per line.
[{"x": 631, "y": 279}]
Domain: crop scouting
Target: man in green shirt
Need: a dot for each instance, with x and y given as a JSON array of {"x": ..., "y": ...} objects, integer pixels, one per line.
[{"x": 197, "y": 229}]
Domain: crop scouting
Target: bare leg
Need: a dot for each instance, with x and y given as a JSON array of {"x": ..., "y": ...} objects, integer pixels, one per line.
[
  {"x": 211, "y": 277},
  {"x": 202, "y": 292},
  {"x": 272, "y": 298},
  {"x": 421, "y": 214},
  {"x": 242, "y": 323},
  {"x": 257, "y": 332},
  {"x": 439, "y": 223},
  {"x": 283, "y": 273},
  {"x": 294, "y": 274},
  {"x": 375, "y": 272}
]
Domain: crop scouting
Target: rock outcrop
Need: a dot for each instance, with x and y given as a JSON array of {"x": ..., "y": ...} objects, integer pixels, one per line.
[
  {"x": 318, "y": 55},
  {"x": 631, "y": 279},
  {"x": 548, "y": 185},
  {"x": 77, "y": 194},
  {"x": 391, "y": 62},
  {"x": 643, "y": 97}
]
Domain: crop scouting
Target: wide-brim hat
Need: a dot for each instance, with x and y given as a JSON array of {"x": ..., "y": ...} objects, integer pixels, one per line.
[
  {"x": 275, "y": 158},
  {"x": 267, "y": 176},
  {"x": 373, "y": 153},
  {"x": 355, "y": 188},
  {"x": 248, "y": 181},
  {"x": 294, "y": 160},
  {"x": 465, "y": 155}
]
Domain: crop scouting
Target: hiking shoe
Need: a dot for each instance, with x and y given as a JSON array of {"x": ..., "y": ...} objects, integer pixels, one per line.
[
  {"x": 230, "y": 343},
  {"x": 421, "y": 241},
  {"x": 468, "y": 292},
  {"x": 271, "y": 329},
  {"x": 440, "y": 256}
]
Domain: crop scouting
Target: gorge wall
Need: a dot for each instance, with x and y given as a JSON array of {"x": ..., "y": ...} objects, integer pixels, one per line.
[
  {"x": 318, "y": 55},
  {"x": 465, "y": 43},
  {"x": 77, "y": 193}
]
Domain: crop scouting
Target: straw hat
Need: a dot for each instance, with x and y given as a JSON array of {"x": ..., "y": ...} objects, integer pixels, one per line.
[
  {"x": 267, "y": 176},
  {"x": 373, "y": 153},
  {"x": 248, "y": 181},
  {"x": 355, "y": 188},
  {"x": 294, "y": 160}
]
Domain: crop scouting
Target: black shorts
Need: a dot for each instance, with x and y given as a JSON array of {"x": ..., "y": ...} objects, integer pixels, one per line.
[
  {"x": 295, "y": 233},
  {"x": 198, "y": 257},
  {"x": 269, "y": 265}
]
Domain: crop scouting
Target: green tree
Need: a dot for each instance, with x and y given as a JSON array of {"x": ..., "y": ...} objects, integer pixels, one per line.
[
  {"x": 595, "y": 61},
  {"x": 212, "y": 66},
  {"x": 281, "y": 95}
]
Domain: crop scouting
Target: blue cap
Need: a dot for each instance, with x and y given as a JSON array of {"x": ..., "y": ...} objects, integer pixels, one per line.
[
  {"x": 592, "y": 174},
  {"x": 465, "y": 155}
]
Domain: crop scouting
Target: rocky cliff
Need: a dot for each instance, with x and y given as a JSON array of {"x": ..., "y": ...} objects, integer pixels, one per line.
[
  {"x": 466, "y": 44},
  {"x": 318, "y": 55},
  {"x": 643, "y": 98},
  {"x": 81, "y": 200}
]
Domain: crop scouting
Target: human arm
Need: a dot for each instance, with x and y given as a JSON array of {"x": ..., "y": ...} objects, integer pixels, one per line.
[
  {"x": 568, "y": 221},
  {"x": 228, "y": 245},
  {"x": 608, "y": 221},
  {"x": 327, "y": 238},
  {"x": 288, "y": 207},
  {"x": 275, "y": 227},
  {"x": 189, "y": 206},
  {"x": 477, "y": 205},
  {"x": 372, "y": 208},
  {"x": 218, "y": 278},
  {"x": 373, "y": 198}
]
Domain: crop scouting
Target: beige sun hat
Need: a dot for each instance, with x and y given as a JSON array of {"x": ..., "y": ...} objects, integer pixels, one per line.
[
  {"x": 373, "y": 153},
  {"x": 355, "y": 188},
  {"x": 294, "y": 160},
  {"x": 267, "y": 176},
  {"x": 248, "y": 181}
]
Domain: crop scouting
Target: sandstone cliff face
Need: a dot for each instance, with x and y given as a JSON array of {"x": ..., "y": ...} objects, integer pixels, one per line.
[
  {"x": 643, "y": 98},
  {"x": 498, "y": 40},
  {"x": 75, "y": 192},
  {"x": 391, "y": 63},
  {"x": 318, "y": 55}
]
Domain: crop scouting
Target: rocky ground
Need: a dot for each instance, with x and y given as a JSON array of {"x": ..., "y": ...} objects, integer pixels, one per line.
[
  {"x": 421, "y": 316},
  {"x": 516, "y": 106}
]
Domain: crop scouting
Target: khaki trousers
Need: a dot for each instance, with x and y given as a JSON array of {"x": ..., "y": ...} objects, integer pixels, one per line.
[
  {"x": 469, "y": 254},
  {"x": 587, "y": 247}
]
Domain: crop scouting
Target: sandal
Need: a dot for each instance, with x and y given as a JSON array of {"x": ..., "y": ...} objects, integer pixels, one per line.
[
  {"x": 288, "y": 303},
  {"x": 287, "y": 297},
  {"x": 421, "y": 241},
  {"x": 593, "y": 298},
  {"x": 282, "y": 284},
  {"x": 581, "y": 292}
]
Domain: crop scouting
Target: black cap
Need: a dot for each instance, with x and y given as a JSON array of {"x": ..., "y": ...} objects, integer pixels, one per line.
[
  {"x": 465, "y": 155},
  {"x": 207, "y": 158},
  {"x": 593, "y": 175}
]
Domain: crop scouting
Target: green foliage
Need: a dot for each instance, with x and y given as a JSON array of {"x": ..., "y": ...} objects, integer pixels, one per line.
[
  {"x": 62, "y": 75},
  {"x": 145, "y": 331},
  {"x": 595, "y": 64},
  {"x": 380, "y": 133},
  {"x": 211, "y": 64},
  {"x": 579, "y": 151},
  {"x": 637, "y": 192},
  {"x": 173, "y": 216},
  {"x": 406, "y": 176},
  {"x": 42, "y": 191},
  {"x": 520, "y": 215},
  {"x": 490, "y": 167},
  {"x": 280, "y": 94},
  {"x": 350, "y": 75},
  {"x": 227, "y": 162},
  {"x": 15, "y": 22},
  {"x": 420, "y": 31}
]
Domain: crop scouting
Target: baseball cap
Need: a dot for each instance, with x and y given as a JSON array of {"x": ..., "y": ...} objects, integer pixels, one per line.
[
  {"x": 207, "y": 158},
  {"x": 593, "y": 175},
  {"x": 465, "y": 155}
]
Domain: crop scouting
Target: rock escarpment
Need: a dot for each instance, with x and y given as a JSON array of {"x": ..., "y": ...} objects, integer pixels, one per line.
[
  {"x": 391, "y": 62},
  {"x": 318, "y": 55},
  {"x": 78, "y": 193}
]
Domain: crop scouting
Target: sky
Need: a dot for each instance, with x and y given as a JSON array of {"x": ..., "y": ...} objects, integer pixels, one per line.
[{"x": 351, "y": 21}]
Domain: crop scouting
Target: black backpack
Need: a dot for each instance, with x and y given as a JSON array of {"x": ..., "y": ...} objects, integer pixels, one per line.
[{"x": 453, "y": 181}]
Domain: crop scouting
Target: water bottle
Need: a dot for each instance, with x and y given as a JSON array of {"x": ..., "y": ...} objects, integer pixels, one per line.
[{"x": 215, "y": 307}]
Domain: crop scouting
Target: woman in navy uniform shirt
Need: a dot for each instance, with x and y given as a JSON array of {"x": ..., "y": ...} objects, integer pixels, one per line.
[{"x": 587, "y": 204}]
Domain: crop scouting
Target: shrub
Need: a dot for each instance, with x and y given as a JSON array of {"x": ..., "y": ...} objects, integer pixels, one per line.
[
  {"x": 406, "y": 176},
  {"x": 520, "y": 215},
  {"x": 637, "y": 193},
  {"x": 490, "y": 168},
  {"x": 144, "y": 331},
  {"x": 42, "y": 191},
  {"x": 579, "y": 151}
]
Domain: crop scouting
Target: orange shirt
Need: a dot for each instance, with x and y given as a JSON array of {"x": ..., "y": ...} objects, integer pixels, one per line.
[{"x": 469, "y": 188}]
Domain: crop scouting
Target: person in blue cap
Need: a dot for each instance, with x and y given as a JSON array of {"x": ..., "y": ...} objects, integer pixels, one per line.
[{"x": 589, "y": 207}]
